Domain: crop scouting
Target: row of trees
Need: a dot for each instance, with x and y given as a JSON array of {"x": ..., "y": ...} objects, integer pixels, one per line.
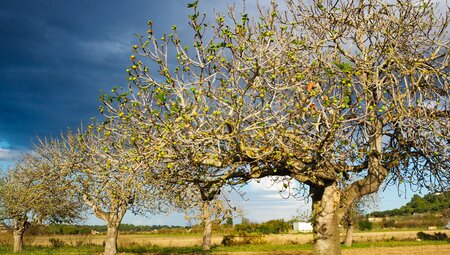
[
  {"x": 428, "y": 204},
  {"x": 339, "y": 96}
]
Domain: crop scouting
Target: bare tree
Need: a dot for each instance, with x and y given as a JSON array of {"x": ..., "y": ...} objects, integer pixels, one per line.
[
  {"x": 355, "y": 212},
  {"x": 106, "y": 172},
  {"x": 29, "y": 196},
  {"x": 207, "y": 203},
  {"x": 324, "y": 93}
]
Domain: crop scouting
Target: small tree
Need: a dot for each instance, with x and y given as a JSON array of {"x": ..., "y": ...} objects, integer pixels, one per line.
[
  {"x": 102, "y": 167},
  {"x": 356, "y": 212},
  {"x": 201, "y": 196},
  {"x": 29, "y": 195}
]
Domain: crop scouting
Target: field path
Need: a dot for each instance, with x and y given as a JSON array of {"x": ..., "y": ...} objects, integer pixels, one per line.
[{"x": 408, "y": 250}]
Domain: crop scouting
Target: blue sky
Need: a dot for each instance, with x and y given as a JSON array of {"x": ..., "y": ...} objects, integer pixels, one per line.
[{"x": 56, "y": 56}]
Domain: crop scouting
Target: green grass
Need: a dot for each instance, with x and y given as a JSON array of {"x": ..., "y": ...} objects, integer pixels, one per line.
[
  {"x": 395, "y": 244},
  {"x": 263, "y": 247},
  {"x": 94, "y": 249},
  {"x": 41, "y": 250},
  {"x": 308, "y": 246}
]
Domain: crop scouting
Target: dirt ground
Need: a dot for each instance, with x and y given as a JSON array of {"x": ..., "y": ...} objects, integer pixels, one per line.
[{"x": 416, "y": 250}]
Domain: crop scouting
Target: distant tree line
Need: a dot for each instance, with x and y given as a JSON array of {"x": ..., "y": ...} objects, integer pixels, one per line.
[
  {"x": 433, "y": 202},
  {"x": 269, "y": 227},
  {"x": 278, "y": 226},
  {"x": 66, "y": 229}
]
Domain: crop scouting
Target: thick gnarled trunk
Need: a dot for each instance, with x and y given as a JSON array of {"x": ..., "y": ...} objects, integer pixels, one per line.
[
  {"x": 326, "y": 239},
  {"x": 19, "y": 227},
  {"x": 207, "y": 232},
  {"x": 111, "y": 238},
  {"x": 18, "y": 240}
]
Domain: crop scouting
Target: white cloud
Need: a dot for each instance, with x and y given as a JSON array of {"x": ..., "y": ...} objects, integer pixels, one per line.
[
  {"x": 264, "y": 201},
  {"x": 105, "y": 49},
  {"x": 8, "y": 155},
  {"x": 267, "y": 183}
]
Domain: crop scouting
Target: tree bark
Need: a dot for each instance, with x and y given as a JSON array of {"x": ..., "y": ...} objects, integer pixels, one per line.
[
  {"x": 18, "y": 240},
  {"x": 349, "y": 235},
  {"x": 207, "y": 232},
  {"x": 347, "y": 222},
  {"x": 111, "y": 238},
  {"x": 20, "y": 225},
  {"x": 326, "y": 240}
]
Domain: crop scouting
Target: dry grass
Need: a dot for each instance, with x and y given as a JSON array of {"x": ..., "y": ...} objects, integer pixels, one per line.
[
  {"x": 277, "y": 244},
  {"x": 195, "y": 240}
]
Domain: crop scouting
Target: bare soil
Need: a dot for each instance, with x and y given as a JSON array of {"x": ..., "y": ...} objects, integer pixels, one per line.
[{"x": 413, "y": 250}]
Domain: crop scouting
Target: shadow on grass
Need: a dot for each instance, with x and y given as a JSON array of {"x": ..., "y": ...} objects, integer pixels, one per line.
[
  {"x": 157, "y": 250},
  {"x": 97, "y": 249},
  {"x": 45, "y": 250}
]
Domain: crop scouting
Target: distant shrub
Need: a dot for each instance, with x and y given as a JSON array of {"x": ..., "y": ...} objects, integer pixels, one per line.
[
  {"x": 246, "y": 227},
  {"x": 268, "y": 227},
  {"x": 81, "y": 240},
  {"x": 231, "y": 240},
  {"x": 365, "y": 225},
  {"x": 388, "y": 224},
  {"x": 274, "y": 227},
  {"x": 437, "y": 236},
  {"x": 56, "y": 243}
]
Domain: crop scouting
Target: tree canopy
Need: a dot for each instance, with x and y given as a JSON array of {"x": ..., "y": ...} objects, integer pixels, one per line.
[
  {"x": 321, "y": 92},
  {"x": 29, "y": 195},
  {"x": 339, "y": 96},
  {"x": 433, "y": 202}
]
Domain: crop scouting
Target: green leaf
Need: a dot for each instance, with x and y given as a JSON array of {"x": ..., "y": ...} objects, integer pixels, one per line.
[
  {"x": 162, "y": 96},
  {"x": 193, "y": 5},
  {"x": 344, "y": 67}
]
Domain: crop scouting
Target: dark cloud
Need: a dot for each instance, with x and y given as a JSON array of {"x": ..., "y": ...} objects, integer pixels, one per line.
[{"x": 55, "y": 56}]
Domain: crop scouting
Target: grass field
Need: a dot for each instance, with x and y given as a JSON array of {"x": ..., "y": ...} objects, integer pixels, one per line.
[
  {"x": 370, "y": 243},
  {"x": 187, "y": 240}
]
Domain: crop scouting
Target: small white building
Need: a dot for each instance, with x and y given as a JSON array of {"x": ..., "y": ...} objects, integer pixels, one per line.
[{"x": 304, "y": 227}]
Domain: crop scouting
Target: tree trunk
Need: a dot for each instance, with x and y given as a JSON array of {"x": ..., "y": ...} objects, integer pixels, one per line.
[
  {"x": 326, "y": 240},
  {"x": 349, "y": 235},
  {"x": 18, "y": 240},
  {"x": 20, "y": 225},
  {"x": 111, "y": 238},
  {"x": 207, "y": 232}
]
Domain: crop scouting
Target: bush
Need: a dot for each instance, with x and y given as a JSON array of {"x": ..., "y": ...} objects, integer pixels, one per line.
[
  {"x": 246, "y": 227},
  {"x": 268, "y": 227},
  {"x": 56, "y": 243},
  {"x": 274, "y": 227},
  {"x": 365, "y": 225},
  {"x": 388, "y": 223},
  {"x": 230, "y": 240},
  {"x": 437, "y": 236}
]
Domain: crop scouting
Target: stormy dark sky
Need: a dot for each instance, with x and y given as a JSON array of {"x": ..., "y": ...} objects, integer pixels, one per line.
[{"x": 56, "y": 56}]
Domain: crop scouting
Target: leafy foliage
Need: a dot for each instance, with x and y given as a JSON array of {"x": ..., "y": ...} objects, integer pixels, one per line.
[
  {"x": 433, "y": 202},
  {"x": 435, "y": 237},
  {"x": 268, "y": 227},
  {"x": 364, "y": 225}
]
